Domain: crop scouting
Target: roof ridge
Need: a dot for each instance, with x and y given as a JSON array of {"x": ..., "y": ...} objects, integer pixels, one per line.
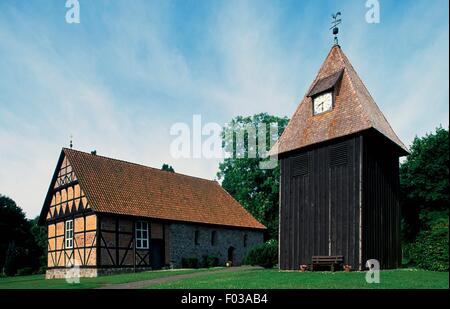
[
  {"x": 320, "y": 69},
  {"x": 349, "y": 71},
  {"x": 137, "y": 164}
]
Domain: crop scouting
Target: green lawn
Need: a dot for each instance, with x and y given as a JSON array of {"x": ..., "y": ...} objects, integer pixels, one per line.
[
  {"x": 39, "y": 282},
  {"x": 250, "y": 278},
  {"x": 274, "y": 279}
]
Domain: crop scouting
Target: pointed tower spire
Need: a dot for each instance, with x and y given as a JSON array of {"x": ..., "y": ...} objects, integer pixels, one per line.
[{"x": 352, "y": 109}]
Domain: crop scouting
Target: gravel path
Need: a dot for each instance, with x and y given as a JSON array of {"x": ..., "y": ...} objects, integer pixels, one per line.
[{"x": 146, "y": 283}]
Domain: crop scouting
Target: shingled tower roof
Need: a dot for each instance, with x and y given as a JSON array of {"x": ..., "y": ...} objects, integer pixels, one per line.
[{"x": 354, "y": 109}]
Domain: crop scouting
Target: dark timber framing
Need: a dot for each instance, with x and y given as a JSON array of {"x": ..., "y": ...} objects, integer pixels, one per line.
[
  {"x": 55, "y": 254},
  {"x": 120, "y": 246}
]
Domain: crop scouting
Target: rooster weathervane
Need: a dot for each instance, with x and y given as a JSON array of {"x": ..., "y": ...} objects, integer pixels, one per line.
[{"x": 336, "y": 21}]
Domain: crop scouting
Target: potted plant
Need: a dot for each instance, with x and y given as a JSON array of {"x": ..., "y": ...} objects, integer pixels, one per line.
[
  {"x": 347, "y": 268},
  {"x": 303, "y": 268}
]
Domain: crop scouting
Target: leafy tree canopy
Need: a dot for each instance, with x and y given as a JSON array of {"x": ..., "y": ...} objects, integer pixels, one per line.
[
  {"x": 241, "y": 174},
  {"x": 13, "y": 226},
  {"x": 424, "y": 174},
  {"x": 167, "y": 168},
  {"x": 40, "y": 239},
  {"x": 424, "y": 182},
  {"x": 17, "y": 244}
]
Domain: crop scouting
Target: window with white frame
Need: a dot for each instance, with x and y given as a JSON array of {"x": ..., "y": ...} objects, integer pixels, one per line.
[
  {"x": 141, "y": 235},
  {"x": 69, "y": 234}
]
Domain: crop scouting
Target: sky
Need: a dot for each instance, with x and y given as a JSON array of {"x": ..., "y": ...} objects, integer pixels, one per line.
[{"x": 118, "y": 80}]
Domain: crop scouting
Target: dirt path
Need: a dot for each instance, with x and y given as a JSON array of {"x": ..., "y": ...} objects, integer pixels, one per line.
[{"x": 146, "y": 283}]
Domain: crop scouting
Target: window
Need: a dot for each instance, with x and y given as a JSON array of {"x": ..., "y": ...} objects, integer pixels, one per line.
[
  {"x": 245, "y": 240},
  {"x": 213, "y": 238},
  {"x": 141, "y": 235},
  {"x": 69, "y": 234},
  {"x": 196, "y": 235}
]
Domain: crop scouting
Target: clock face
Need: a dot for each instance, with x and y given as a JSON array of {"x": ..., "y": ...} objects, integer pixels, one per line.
[{"x": 323, "y": 103}]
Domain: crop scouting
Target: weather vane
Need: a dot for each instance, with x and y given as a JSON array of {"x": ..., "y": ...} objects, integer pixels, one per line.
[{"x": 336, "y": 21}]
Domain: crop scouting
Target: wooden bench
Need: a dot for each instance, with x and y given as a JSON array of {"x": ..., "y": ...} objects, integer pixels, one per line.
[{"x": 327, "y": 261}]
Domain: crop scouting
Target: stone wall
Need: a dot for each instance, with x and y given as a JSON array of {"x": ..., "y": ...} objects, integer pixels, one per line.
[
  {"x": 60, "y": 273},
  {"x": 182, "y": 243}
]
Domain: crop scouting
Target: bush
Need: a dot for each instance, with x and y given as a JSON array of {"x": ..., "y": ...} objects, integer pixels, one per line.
[
  {"x": 25, "y": 271},
  {"x": 430, "y": 250},
  {"x": 265, "y": 255},
  {"x": 191, "y": 262},
  {"x": 210, "y": 261},
  {"x": 41, "y": 270}
]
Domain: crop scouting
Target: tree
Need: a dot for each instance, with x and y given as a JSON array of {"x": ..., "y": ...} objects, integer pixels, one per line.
[
  {"x": 241, "y": 174},
  {"x": 40, "y": 240},
  {"x": 167, "y": 168},
  {"x": 11, "y": 256},
  {"x": 13, "y": 226},
  {"x": 18, "y": 247},
  {"x": 424, "y": 183}
]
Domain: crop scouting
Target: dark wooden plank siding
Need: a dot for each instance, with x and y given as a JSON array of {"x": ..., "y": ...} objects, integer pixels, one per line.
[
  {"x": 381, "y": 212},
  {"x": 319, "y": 212}
]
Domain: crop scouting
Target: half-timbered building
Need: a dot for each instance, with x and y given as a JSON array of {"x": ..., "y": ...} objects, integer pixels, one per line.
[
  {"x": 339, "y": 183},
  {"x": 105, "y": 215}
]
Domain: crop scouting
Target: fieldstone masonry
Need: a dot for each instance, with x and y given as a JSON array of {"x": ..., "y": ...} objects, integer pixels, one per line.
[
  {"x": 182, "y": 243},
  {"x": 61, "y": 273}
]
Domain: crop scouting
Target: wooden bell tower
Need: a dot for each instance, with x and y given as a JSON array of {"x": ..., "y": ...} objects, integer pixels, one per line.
[{"x": 339, "y": 185}]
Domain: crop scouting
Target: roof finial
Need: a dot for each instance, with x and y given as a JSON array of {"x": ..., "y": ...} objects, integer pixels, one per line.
[
  {"x": 336, "y": 21},
  {"x": 71, "y": 144}
]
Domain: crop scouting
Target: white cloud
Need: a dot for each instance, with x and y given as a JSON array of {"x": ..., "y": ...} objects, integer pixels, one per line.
[{"x": 119, "y": 93}]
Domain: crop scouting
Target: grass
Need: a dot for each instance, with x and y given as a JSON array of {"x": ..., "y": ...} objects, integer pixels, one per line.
[
  {"x": 275, "y": 279},
  {"x": 251, "y": 278},
  {"x": 39, "y": 281}
]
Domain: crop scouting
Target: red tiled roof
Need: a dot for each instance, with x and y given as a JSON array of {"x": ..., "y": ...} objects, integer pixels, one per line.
[
  {"x": 119, "y": 187},
  {"x": 354, "y": 110}
]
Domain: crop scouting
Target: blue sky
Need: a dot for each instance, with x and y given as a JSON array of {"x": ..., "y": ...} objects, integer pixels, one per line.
[{"x": 119, "y": 80}]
